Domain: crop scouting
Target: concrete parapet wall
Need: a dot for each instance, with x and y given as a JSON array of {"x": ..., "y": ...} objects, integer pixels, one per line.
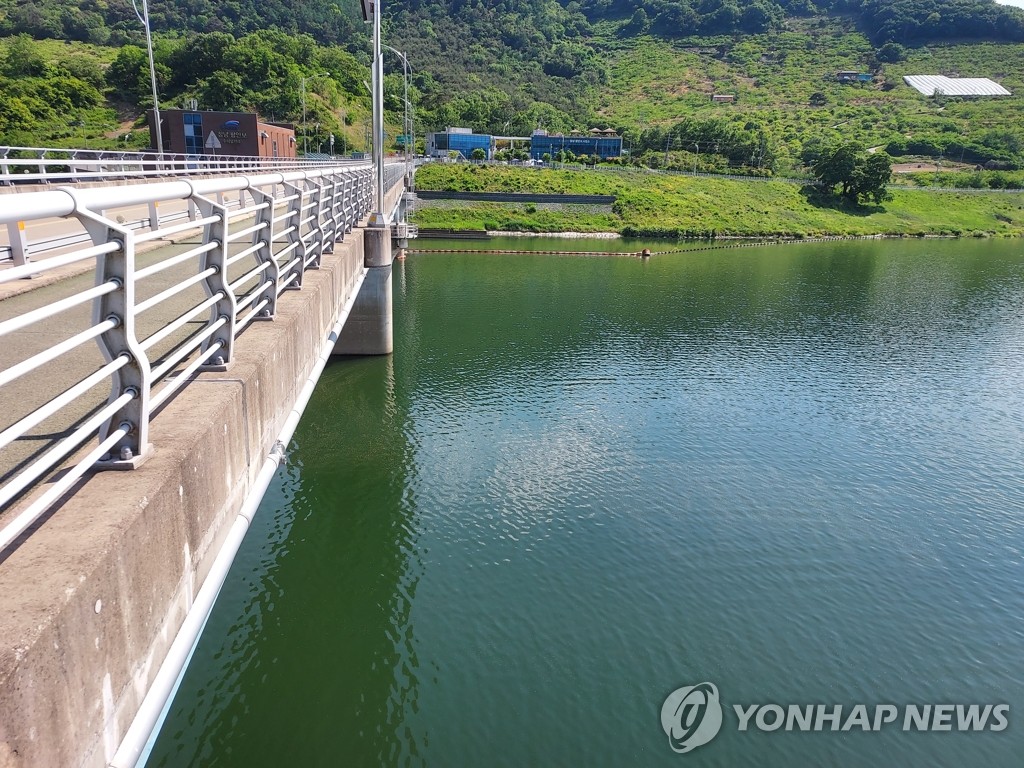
[{"x": 94, "y": 597}]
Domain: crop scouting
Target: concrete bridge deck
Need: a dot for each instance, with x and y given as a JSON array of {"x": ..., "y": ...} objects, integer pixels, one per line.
[{"x": 93, "y": 595}]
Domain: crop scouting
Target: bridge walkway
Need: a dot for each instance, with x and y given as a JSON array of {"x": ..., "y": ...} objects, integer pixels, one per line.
[{"x": 95, "y": 592}]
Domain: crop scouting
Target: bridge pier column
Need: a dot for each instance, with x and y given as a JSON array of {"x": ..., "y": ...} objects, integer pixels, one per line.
[{"x": 369, "y": 329}]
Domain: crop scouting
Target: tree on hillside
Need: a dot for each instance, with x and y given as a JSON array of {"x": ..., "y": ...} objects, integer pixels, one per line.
[
  {"x": 23, "y": 59},
  {"x": 874, "y": 175},
  {"x": 836, "y": 167},
  {"x": 199, "y": 57},
  {"x": 852, "y": 173},
  {"x": 639, "y": 22},
  {"x": 223, "y": 90},
  {"x": 126, "y": 74},
  {"x": 891, "y": 53}
]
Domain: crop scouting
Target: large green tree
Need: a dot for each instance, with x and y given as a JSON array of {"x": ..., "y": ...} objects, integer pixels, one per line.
[
  {"x": 846, "y": 169},
  {"x": 872, "y": 177},
  {"x": 836, "y": 167}
]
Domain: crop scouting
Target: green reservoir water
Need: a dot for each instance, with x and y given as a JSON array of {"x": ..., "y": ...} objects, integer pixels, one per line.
[{"x": 581, "y": 483}]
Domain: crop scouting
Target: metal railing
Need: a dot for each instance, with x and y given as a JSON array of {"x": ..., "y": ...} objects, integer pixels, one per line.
[
  {"x": 50, "y": 165},
  {"x": 157, "y": 317},
  {"x": 20, "y": 249},
  {"x": 406, "y": 231}
]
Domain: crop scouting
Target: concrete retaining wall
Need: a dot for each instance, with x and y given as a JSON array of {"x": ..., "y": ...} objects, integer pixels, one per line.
[
  {"x": 517, "y": 197},
  {"x": 94, "y": 597}
]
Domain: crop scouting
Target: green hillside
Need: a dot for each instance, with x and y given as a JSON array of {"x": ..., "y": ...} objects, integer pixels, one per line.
[
  {"x": 74, "y": 74},
  {"x": 785, "y": 86},
  {"x": 669, "y": 205}
]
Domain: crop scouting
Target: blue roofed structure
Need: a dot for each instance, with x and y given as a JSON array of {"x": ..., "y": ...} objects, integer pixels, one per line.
[
  {"x": 461, "y": 140},
  {"x": 603, "y": 144}
]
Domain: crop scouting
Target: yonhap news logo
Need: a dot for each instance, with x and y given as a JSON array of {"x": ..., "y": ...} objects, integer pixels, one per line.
[{"x": 692, "y": 716}]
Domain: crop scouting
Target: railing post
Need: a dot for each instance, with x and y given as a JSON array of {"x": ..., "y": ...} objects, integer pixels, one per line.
[
  {"x": 328, "y": 191},
  {"x": 73, "y": 167},
  {"x": 370, "y": 182},
  {"x": 352, "y": 201},
  {"x": 226, "y": 308},
  {"x": 19, "y": 242},
  {"x": 317, "y": 226},
  {"x": 154, "y": 215},
  {"x": 357, "y": 196},
  {"x": 365, "y": 192},
  {"x": 330, "y": 212},
  {"x": 339, "y": 207},
  {"x": 348, "y": 204},
  {"x": 5, "y": 168},
  {"x": 265, "y": 253},
  {"x": 298, "y": 253},
  {"x": 119, "y": 306}
]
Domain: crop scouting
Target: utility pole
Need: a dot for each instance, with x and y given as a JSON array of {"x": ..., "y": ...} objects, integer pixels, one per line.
[
  {"x": 305, "y": 130},
  {"x": 144, "y": 18},
  {"x": 377, "y": 217},
  {"x": 407, "y": 109},
  {"x": 305, "y": 133}
]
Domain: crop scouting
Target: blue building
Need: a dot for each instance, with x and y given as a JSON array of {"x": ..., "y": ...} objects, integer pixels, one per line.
[
  {"x": 461, "y": 140},
  {"x": 853, "y": 76},
  {"x": 603, "y": 144}
]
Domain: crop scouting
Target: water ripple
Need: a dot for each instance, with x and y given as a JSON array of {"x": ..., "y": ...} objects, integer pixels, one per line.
[{"x": 582, "y": 483}]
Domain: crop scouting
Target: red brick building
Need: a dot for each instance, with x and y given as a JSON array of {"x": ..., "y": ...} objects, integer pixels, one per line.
[{"x": 196, "y": 132}]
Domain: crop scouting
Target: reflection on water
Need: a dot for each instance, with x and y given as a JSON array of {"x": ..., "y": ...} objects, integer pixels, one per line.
[{"x": 580, "y": 483}]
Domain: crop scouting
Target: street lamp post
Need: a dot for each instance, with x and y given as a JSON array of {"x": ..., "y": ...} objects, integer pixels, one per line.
[
  {"x": 305, "y": 132},
  {"x": 305, "y": 137},
  {"x": 407, "y": 106},
  {"x": 411, "y": 133},
  {"x": 371, "y": 12},
  {"x": 144, "y": 18}
]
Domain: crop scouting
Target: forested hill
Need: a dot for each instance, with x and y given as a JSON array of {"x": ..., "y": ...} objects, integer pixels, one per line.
[
  {"x": 74, "y": 73},
  {"x": 901, "y": 21},
  {"x": 114, "y": 21},
  {"x": 538, "y": 59},
  {"x": 510, "y": 65},
  {"x": 529, "y": 52},
  {"x": 527, "y": 26}
]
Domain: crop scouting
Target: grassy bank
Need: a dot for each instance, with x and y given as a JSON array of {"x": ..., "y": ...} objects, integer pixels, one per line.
[{"x": 659, "y": 205}]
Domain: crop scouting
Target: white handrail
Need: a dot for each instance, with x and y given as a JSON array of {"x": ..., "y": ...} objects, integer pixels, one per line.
[
  {"x": 61, "y": 165},
  {"x": 264, "y": 258}
]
